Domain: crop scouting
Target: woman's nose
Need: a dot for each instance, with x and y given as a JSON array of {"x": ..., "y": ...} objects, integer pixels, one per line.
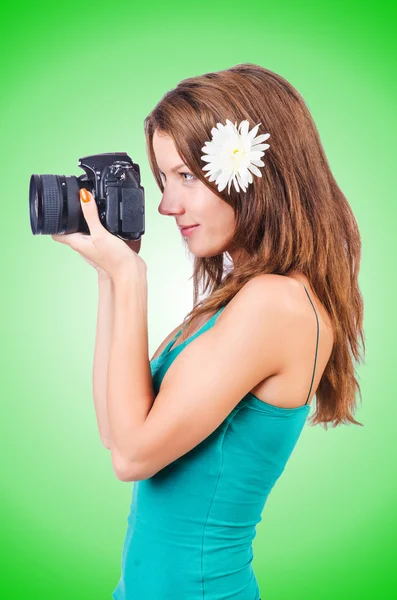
[{"x": 171, "y": 204}]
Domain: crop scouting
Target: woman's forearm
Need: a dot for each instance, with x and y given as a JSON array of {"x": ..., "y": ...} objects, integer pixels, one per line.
[
  {"x": 101, "y": 355},
  {"x": 130, "y": 393}
]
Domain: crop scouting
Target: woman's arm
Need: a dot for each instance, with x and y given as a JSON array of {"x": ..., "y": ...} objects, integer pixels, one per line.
[
  {"x": 101, "y": 355},
  {"x": 130, "y": 393}
]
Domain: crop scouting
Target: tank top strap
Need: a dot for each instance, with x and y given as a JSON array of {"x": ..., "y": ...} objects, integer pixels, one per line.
[
  {"x": 318, "y": 335},
  {"x": 171, "y": 342},
  {"x": 201, "y": 329}
]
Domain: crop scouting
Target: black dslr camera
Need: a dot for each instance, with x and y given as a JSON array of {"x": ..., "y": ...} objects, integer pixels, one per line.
[{"x": 114, "y": 181}]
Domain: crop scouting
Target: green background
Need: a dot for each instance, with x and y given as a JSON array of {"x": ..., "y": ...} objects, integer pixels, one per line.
[{"x": 79, "y": 78}]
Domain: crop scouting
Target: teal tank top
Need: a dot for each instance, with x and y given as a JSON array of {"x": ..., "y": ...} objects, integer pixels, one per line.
[{"x": 190, "y": 527}]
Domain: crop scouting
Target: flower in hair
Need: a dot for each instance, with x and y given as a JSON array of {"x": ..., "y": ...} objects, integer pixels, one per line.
[{"x": 234, "y": 154}]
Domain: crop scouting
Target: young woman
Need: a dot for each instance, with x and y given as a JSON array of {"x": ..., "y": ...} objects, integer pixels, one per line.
[{"x": 206, "y": 428}]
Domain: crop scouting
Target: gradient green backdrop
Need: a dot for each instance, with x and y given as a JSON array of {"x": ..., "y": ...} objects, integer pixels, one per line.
[{"x": 79, "y": 78}]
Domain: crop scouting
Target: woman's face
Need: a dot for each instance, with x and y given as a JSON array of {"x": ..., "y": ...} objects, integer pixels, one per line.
[{"x": 190, "y": 202}]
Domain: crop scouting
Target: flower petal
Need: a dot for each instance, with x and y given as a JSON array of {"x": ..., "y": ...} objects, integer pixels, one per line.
[
  {"x": 254, "y": 155},
  {"x": 258, "y": 163},
  {"x": 244, "y": 125},
  {"x": 222, "y": 179},
  {"x": 261, "y": 138},
  {"x": 260, "y": 147},
  {"x": 253, "y": 131},
  {"x": 255, "y": 170},
  {"x": 236, "y": 184}
]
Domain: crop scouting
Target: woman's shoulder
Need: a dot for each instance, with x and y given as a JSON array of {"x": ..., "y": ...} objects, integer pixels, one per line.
[
  {"x": 270, "y": 289},
  {"x": 285, "y": 297},
  {"x": 293, "y": 290}
]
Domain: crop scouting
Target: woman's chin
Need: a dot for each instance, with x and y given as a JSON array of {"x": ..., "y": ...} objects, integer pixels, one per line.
[
  {"x": 205, "y": 253},
  {"x": 202, "y": 250}
]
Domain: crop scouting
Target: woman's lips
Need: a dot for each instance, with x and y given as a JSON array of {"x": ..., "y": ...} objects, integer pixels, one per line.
[{"x": 188, "y": 230}]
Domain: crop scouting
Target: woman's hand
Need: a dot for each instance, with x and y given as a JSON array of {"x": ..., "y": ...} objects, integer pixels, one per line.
[
  {"x": 135, "y": 245},
  {"x": 108, "y": 254}
]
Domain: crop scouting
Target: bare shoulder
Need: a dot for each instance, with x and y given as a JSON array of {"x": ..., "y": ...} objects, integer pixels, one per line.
[
  {"x": 280, "y": 309},
  {"x": 273, "y": 294},
  {"x": 285, "y": 293},
  {"x": 294, "y": 309}
]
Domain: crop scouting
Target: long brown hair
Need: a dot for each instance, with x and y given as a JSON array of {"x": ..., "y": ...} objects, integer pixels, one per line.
[{"x": 293, "y": 218}]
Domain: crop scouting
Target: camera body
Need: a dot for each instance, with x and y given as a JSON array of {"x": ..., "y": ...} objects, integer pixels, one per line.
[{"x": 114, "y": 181}]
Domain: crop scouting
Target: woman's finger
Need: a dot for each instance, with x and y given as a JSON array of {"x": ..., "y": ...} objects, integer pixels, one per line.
[
  {"x": 90, "y": 212},
  {"x": 62, "y": 238},
  {"x": 74, "y": 240}
]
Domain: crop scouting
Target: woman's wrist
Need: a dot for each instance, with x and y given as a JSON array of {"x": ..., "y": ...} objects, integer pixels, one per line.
[{"x": 102, "y": 276}]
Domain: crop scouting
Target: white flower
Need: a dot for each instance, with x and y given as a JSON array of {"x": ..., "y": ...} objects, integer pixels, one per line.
[{"x": 233, "y": 154}]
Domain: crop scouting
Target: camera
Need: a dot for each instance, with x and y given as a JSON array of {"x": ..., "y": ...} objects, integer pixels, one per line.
[{"x": 114, "y": 181}]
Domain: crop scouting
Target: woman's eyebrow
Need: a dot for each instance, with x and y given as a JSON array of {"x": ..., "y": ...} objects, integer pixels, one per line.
[{"x": 175, "y": 168}]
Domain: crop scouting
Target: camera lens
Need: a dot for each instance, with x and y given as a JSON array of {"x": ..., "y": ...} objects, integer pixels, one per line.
[{"x": 54, "y": 204}]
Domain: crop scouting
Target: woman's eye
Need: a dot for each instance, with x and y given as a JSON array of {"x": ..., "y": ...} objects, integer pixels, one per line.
[{"x": 190, "y": 175}]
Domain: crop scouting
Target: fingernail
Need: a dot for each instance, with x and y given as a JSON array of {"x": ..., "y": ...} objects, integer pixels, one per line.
[{"x": 84, "y": 195}]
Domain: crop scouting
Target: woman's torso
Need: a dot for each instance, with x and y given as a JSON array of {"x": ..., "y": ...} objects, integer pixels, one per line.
[{"x": 191, "y": 526}]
